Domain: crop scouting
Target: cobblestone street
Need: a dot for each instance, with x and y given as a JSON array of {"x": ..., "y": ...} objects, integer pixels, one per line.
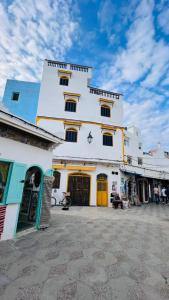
[{"x": 90, "y": 253}]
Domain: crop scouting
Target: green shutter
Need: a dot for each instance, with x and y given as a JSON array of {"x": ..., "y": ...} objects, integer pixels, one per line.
[{"x": 16, "y": 184}]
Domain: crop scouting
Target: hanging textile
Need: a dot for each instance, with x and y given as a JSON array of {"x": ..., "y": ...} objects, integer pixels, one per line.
[{"x": 46, "y": 202}]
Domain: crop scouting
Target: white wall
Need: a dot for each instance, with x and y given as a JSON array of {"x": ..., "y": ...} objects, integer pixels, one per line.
[
  {"x": 106, "y": 169},
  {"x": 52, "y": 103},
  {"x": 134, "y": 136},
  {"x": 82, "y": 148},
  {"x": 23, "y": 153}
]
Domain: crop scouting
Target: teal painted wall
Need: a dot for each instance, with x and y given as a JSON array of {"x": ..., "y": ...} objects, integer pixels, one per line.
[{"x": 16, "y": 183}]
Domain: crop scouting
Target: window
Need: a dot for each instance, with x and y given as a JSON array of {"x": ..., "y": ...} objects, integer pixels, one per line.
[
  {"x": 64, "y": 81},
  {"x": 129, "y": 159},
  {"x": 15, "y": 96},
  {"x": 126, "y": 141},
  {"x": 71, "y": 135},
  {"x": 56, "y": 183},
  {"x": 4, "y": 170},
  {"x": 140, "y": 161},
  {"x": 105, "y": 111},
  {"x": 70, "y": 105},
  {"x": 107, "y": 139}
]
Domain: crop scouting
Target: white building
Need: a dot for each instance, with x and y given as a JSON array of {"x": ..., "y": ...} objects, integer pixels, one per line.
[
  {"x": 99, "y": 155},
  {"x": 91, "y": 121},
  {"x": 142, "y": 170},
  {"x": 25, "y": 172}
]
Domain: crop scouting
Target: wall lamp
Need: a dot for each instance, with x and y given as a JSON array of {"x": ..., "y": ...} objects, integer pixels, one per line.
[{"x": 89, "y": 138}]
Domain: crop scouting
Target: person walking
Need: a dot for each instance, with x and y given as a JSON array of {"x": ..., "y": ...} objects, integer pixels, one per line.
[
  {"x": 156, "y": 195},
  {"x": 163, "y": 195}
]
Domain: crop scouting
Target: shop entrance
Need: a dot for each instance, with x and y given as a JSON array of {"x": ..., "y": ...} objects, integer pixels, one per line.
[
  {"x": 79, "y": 188},
  {"x": 102, "y": 190},
  {"x": 143, "y": 190},
  {"x": 30, "y": 199}
]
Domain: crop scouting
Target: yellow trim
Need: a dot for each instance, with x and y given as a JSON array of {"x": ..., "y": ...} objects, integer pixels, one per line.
[
  {"x": 123, "y": 148},
  {"x": 65, "y": 72},
  {"x": 71, "y": 100},
  {"x": 71, "y": 129},
  {"x": 107, "y": 133},
  {"x": 72, "y": 123},
  {"x": 109, "y": 127},
  {"x": 74, "y": 168},
  {"x": 106, "y": 101},
  {"x": 71, "y": 94}
]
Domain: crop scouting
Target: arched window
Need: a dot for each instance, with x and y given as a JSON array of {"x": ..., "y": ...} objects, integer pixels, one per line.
[
  {"x": 105, "y": 111},
  {"x": 107, "y": 139},
  {"x": 70, "y": 105},
  {"x": 64, "y": 80},
  {"x": 56, "y": 183},
  {"x": 71, "y": 135}
]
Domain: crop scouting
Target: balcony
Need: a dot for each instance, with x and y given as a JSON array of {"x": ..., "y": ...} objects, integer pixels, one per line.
[
  {"x": 104, "y": 93},
  {"x": 62, "y": 65}
]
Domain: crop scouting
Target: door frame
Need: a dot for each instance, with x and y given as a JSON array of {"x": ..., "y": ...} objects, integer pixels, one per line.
[
  {"x": 105, "y": 191},
  {"x": 40, "y": 196},
  {"x": 80, "y": 175}
]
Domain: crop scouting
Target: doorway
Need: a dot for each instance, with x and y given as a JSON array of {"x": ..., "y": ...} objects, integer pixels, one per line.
[
  {"x": 30, "y": 199},
  {"x": 79, "y": 188},
  {"x": 102, "y": 190}
]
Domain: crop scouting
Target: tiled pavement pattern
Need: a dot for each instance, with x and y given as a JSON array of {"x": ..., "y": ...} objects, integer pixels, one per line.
[{"x": 91, "y": 253}]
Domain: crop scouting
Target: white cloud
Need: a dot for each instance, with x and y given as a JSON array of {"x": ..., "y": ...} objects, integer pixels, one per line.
[
  {"x": 32, "y": 32},
  {"x": 137, "y": 70}
]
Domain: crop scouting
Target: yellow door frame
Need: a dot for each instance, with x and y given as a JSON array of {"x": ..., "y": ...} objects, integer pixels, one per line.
[
  {"x": 80, "y": 175},
  {"x": 104, "y": 192}
]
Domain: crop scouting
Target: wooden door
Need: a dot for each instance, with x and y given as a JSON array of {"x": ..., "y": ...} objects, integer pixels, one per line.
[
  {"x": 79, "y": 188},
  {"x": 102, "y": 190}
]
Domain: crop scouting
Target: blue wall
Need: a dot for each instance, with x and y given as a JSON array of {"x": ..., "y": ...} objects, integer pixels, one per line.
[{"x": 26, "y": 106}]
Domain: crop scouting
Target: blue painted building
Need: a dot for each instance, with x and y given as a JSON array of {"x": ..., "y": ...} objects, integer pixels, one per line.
[{"x": 21, "y": 99}]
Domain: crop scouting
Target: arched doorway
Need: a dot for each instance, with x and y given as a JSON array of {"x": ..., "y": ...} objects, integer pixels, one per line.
[
  {"x": 30, "y": 199},
  {"x": 102, "y": 190},
  {"x": 79, "y": 188}
]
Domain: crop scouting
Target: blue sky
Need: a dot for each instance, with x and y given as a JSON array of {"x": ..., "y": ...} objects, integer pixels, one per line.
[{"x": 127, "y": 43}]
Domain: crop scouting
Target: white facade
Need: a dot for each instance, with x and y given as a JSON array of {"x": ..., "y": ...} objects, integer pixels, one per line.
[
  {"x": 17, "y": 151},
  {"x": 87, "y": 119},
  {"x": 117, "y": 162}
]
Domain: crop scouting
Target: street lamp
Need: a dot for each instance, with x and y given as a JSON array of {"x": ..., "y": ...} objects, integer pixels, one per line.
[{"x": 89, "y": 138}]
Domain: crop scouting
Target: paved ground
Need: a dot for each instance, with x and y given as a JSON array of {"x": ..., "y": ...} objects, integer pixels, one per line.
[{"x": 90, "y": 253}]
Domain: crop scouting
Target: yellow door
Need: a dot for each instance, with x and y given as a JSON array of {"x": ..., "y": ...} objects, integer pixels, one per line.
[{"x": 102, "y": 190}]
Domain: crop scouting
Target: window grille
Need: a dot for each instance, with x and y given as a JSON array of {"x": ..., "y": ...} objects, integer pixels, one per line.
[
  {"x": 71, "y": 135},
  {"x": 107, "y": 139}
]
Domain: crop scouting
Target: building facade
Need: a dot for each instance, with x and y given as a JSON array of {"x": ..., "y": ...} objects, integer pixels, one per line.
[
  {"x": 21, "y": 99},
  {"x": 25, "y": 174},
  {"x": 99, "y": 154},
  {"x": 90, "y": 121},
  {"x": 142, "y": 171}
]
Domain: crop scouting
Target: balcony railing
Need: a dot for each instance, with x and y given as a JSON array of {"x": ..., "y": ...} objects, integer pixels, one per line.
[
  {"x": 78, "y": 68},
  {"x": 100, "y": 92},
  {"x": 57, "y": 65},
  {"x": 61, "y": 65}
]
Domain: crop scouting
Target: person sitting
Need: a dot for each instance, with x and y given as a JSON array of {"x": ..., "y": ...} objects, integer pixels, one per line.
[
  {"x": 126, "y": 203},
  {"x": 117, "y": 201}
]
